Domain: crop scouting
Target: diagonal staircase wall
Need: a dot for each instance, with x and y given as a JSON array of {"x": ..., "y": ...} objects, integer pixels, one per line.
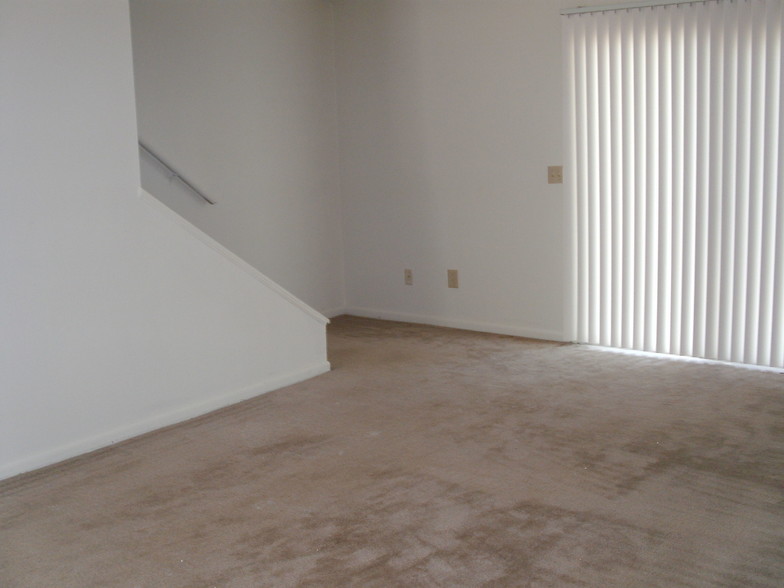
[{"x": 116, "y": 316}]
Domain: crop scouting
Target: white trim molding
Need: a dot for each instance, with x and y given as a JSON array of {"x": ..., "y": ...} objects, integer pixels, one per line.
[
  {"x": 71, "y": 450},
  {"x": 468, "y": 325}
]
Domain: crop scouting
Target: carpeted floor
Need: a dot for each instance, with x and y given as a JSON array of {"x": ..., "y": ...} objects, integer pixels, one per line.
[{"x": 430, "y": 457}]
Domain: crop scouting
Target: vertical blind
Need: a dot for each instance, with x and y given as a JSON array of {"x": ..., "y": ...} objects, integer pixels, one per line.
[{"x": 675, "y": 121}]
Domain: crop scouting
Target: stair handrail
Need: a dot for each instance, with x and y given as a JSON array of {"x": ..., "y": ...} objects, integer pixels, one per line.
[{"x": 175, "y": 174}]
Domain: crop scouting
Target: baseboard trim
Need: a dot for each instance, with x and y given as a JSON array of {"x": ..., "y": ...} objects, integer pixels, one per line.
[
  {"x": 516, "y": 331},
  {"x": 172, "y": 417},
  {"x": 330, "y": 314}
]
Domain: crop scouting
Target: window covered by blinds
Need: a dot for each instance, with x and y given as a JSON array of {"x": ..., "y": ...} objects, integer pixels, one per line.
[{"x": 675, "y": 176}]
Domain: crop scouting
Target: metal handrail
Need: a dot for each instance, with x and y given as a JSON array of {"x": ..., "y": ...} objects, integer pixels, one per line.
[{"x": 174, "y": 174}]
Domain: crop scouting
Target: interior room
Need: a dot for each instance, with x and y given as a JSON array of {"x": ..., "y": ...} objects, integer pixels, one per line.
[{"x": 291, "y": 298}]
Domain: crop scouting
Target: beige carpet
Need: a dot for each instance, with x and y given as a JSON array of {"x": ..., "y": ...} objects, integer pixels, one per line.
[{"x": 430, "y": 457}]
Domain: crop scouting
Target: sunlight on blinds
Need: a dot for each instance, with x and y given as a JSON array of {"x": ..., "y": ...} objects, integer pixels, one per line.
[{"x": 675, "y": 175}]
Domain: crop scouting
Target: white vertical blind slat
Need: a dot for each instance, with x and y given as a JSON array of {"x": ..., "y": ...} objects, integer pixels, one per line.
[
  {"x": 751, "y": 353},
  {"x": 678, "y": 250},
  {"x": 777, "y": 323},
  {"x": 713, "y": 102},
  {"x": 665, "y": 192},
  {"x": 717, "y": 231},
  {"x": 772, "y": 165},
  {"x": 652, "y": 189},
  {"x": 581, "y": 108},
  {"x": 605, "y": 186},
  {"x": 616, "y": 112},
  {"x": 628, "y": 164},
  {"x": 689, "y": 136},
  {"x": 570, "y": 107},
  {"x": 640, "y": 148},
  {"x": 703, "y": 166},
  {"x": 741, "y": 192},
  {"x": 594, "y": 185}
]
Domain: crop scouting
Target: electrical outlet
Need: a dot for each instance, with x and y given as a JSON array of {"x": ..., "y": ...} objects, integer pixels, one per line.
[
  {"x": 451, "y": 278},
  {"x": 408, "y": 276},
  {"x": 555, "y": 174}
]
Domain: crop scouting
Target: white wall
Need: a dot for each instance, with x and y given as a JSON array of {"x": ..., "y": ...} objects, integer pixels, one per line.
[
  {"x": 113, "y": 319},
  {"x": 240, "y": 96},
  {"x": 450, "y": 113}
]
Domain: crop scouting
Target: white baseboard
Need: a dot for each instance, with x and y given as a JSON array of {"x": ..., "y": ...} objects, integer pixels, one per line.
[
  {"x": 516, "y": 331},
  {"x": 177, "y": 415}
]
